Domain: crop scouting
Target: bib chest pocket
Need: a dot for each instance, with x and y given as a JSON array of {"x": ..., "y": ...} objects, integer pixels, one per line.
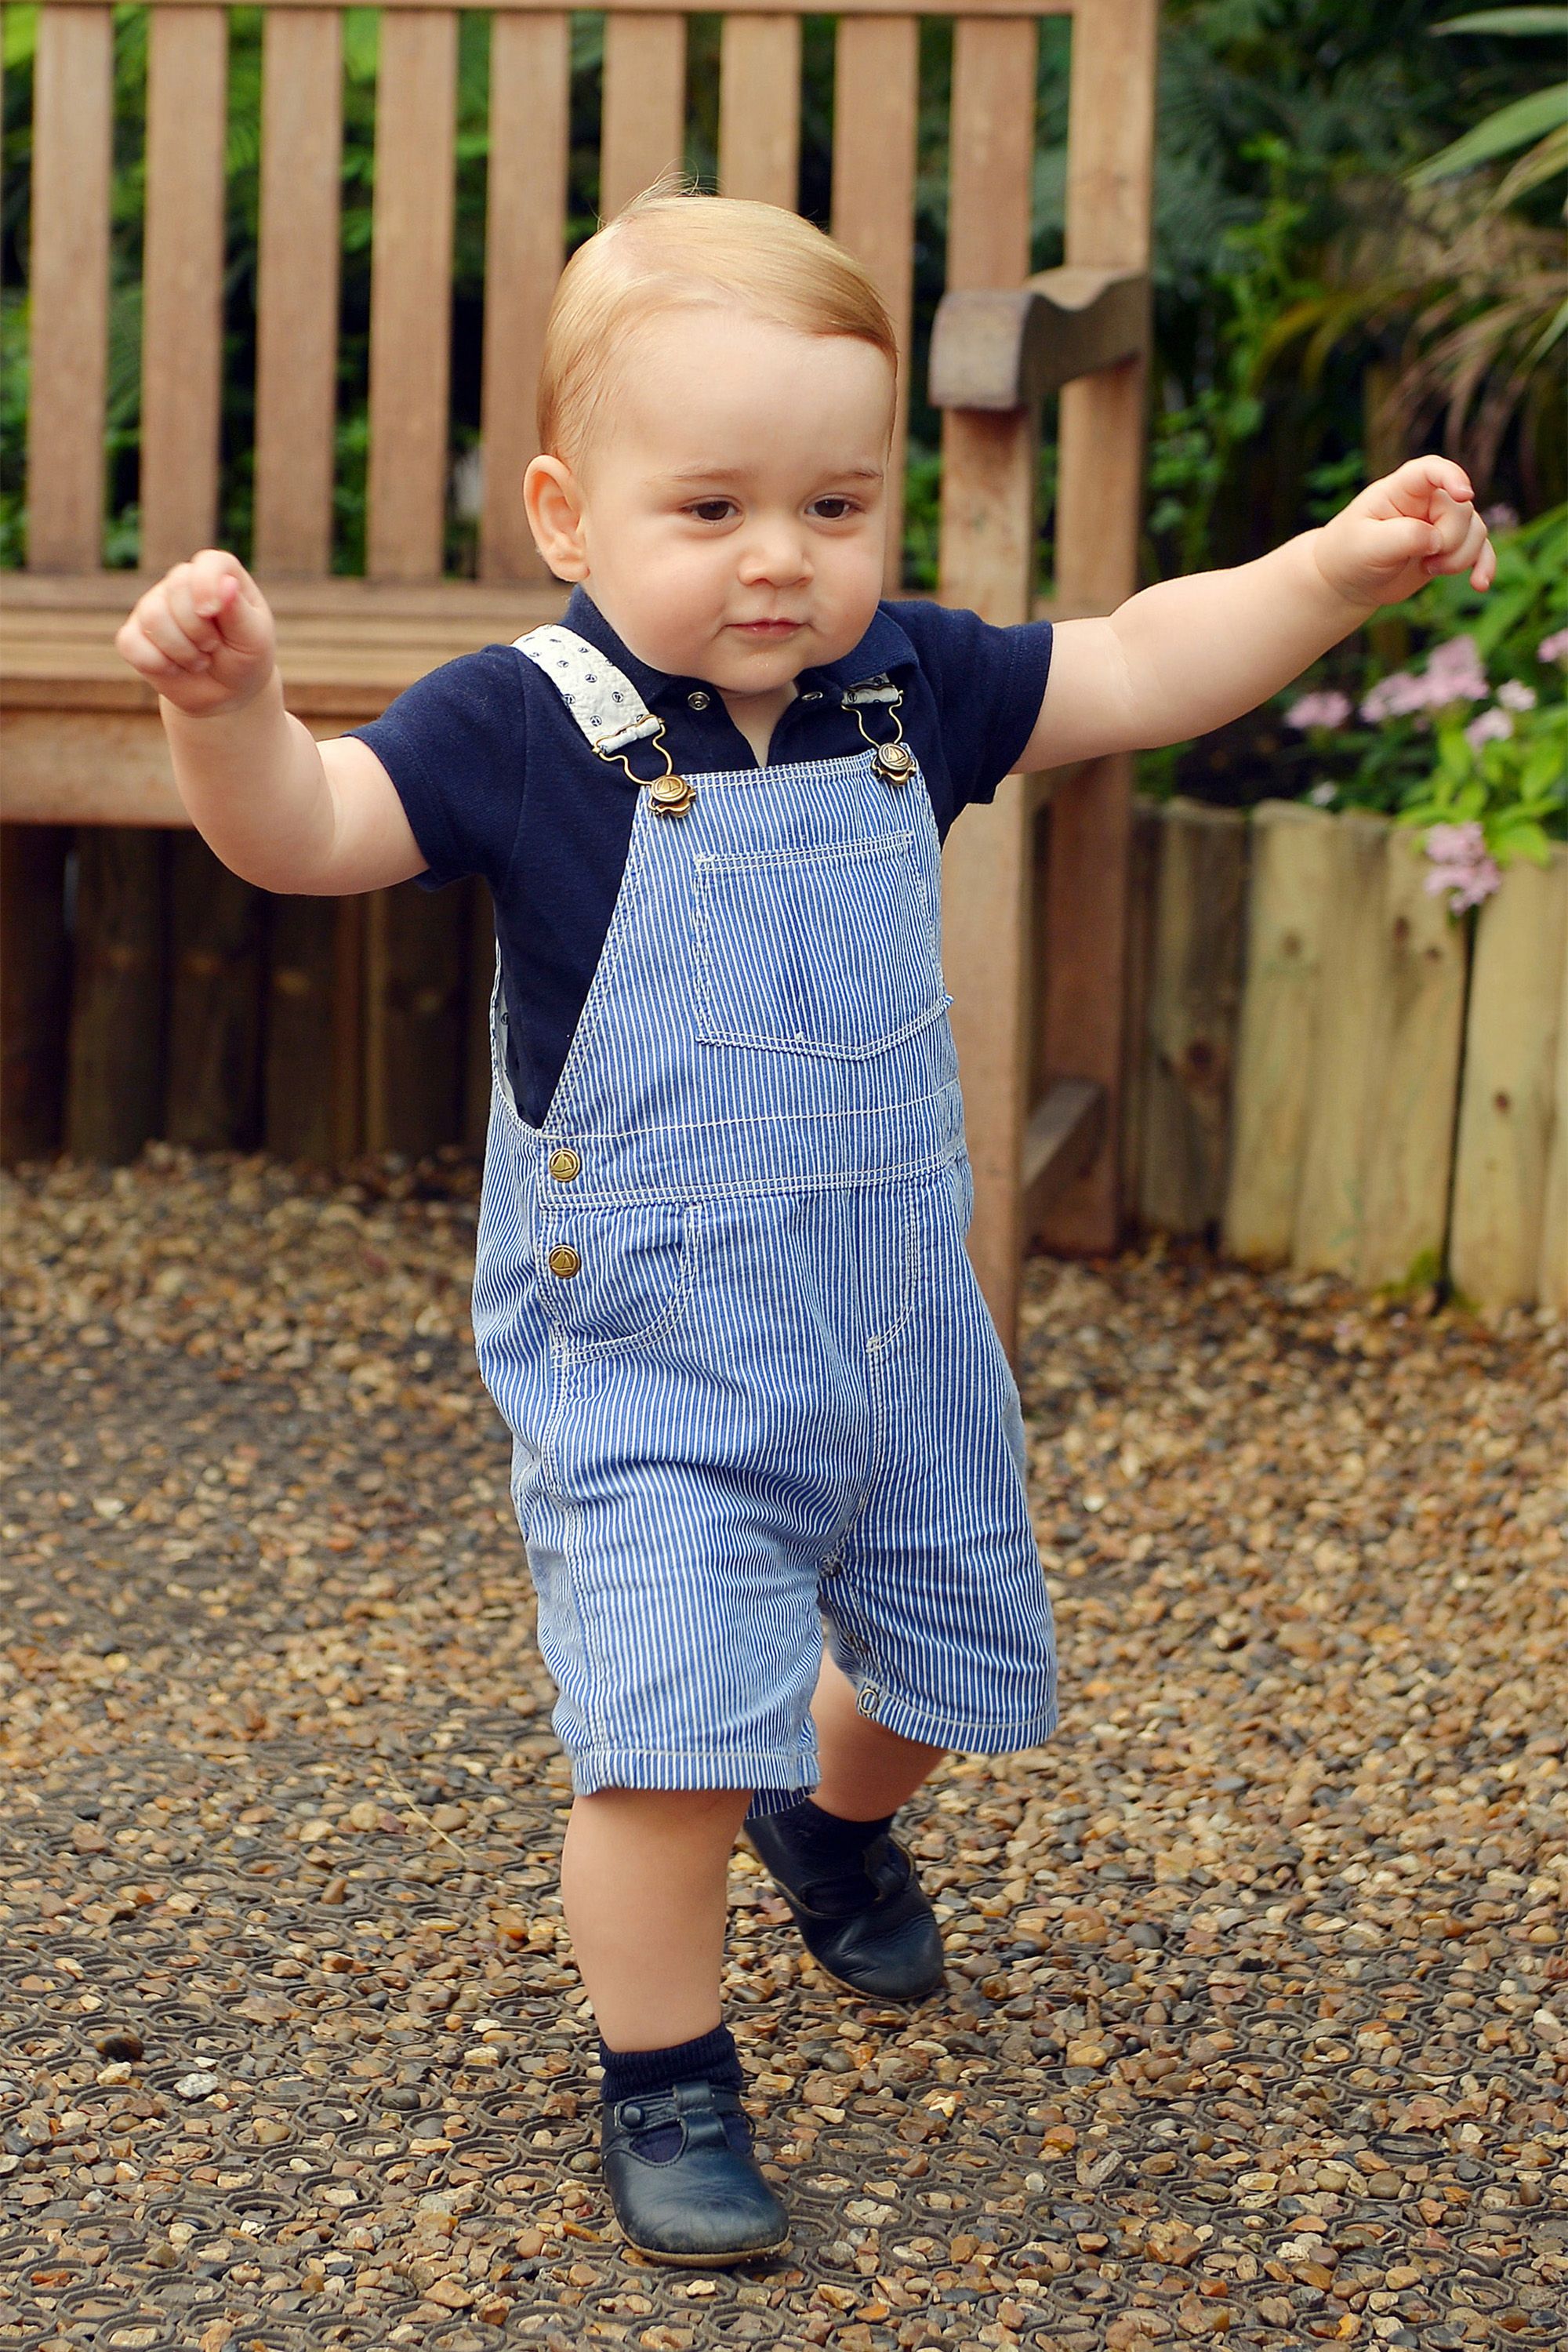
[{"x": 830, "y": 949}]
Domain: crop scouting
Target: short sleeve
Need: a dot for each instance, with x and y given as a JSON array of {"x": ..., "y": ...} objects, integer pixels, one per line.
[
  {"x": 454, "y": 745},
  {"x": 987, "y": 684}
]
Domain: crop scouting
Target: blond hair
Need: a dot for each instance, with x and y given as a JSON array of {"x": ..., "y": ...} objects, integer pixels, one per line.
[{"x": 671, "y": 248}]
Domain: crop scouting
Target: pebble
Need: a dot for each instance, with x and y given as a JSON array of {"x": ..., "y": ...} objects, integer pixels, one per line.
[{"x": 1256, "y": 2026}]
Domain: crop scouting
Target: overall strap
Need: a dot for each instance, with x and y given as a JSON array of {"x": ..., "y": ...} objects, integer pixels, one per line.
[{"x": 605, "y": 703}]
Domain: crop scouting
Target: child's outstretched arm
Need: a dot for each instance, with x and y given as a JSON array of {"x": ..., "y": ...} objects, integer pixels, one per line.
[
  {"x": 281, "y": 809},
  {"x": 1189, "y": 654}
]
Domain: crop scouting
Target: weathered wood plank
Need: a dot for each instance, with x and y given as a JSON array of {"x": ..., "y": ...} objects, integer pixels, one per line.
[
  {"x": 644, "y": 105},
  {"x": 1194, "y": 1001},
  {"x": 34, "y": 989},
  {"x": 1331, "y": 1203},
  {"x": 1142, "y": 883},
  {"x": 182, "y": 274},
  {"x": 297, "y": 288},
  {"x": 759, "y": 109},
  {"x": 297, "y": 1075},
  {"x": 218, "y": 935},
  {"x": 114, "y": 1096},
  {"x": 1414, "y": 1079},
  {"x": 73, "y": 111},
  {"x": 876, "y": 113},
  {"x": 415, "y": 953},
  {"x": 411, "y": 294},
  {"x": 1111, "y": 139},
  {"x": 987, "y": 563},
  {"x": 1060, "y": 1137},
  {"x": 525, "y": 238},
  {"x": 1509, "y": 1084},
  {"x": 1286, "y": 923},
  {"x": 1551, "y": 1282}
]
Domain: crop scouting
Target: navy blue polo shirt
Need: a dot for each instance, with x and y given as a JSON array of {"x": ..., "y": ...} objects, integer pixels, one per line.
[{"x": 496, "y": 780}]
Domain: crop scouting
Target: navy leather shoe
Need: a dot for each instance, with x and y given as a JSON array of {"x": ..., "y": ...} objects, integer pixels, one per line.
[
  {"x": 874, "y": 1933},
  {"x": 700, "y": 2201}
]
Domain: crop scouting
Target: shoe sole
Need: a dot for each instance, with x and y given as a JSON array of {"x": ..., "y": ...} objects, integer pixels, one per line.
[
  {"x": 898, "y": 1999},
  {"x": 706, "y": 2262}
]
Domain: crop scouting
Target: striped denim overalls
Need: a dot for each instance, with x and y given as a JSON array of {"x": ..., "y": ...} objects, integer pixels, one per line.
[{"x": 722, "y": 1300}]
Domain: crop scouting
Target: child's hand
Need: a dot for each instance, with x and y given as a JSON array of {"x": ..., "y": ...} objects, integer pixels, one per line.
[
  {"x": 1401, "y": 532},
  {"x": 202, "y": 636}
]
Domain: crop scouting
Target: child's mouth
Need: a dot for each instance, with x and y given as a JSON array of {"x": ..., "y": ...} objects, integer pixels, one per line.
[{"x": 767, "y": 628}]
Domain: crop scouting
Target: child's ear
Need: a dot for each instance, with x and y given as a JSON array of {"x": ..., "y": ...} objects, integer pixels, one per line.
[{"x": 554, "y": 505}]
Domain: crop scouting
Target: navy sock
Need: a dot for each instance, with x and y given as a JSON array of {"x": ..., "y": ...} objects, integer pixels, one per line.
[
  {"x": 828, "y": 1838},
  {"x": 710, "y": 2058}
]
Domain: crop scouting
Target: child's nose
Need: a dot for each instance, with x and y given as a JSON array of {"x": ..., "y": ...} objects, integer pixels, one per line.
[{"x": 775, "y": 553}]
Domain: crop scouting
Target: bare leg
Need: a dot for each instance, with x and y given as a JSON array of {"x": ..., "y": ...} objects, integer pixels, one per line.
[
  {"x": 643, "y": 1877},
  {"x": 866, "y": 1772}
]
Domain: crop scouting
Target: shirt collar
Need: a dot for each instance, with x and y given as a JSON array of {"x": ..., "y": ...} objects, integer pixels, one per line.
[{"x": 883, "y": 649}]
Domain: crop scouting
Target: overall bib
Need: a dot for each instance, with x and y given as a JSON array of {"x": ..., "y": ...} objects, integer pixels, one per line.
[{"x": 721, "y": 1296}]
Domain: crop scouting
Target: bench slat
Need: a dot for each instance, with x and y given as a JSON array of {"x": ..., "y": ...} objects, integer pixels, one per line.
[
  {"x": 297, "y": 288},
  {"x": 987, "y": 561},
  {"x": 759, "y": 109},
  {"x": 644, "y": 105},
  {"x": 411, "y": 293},
  {"x": 73, "y": 133},
  {"x": 525, "y": 238},
  {"x": 182, "y": 281},
  {"x": 876, "y": 110}
]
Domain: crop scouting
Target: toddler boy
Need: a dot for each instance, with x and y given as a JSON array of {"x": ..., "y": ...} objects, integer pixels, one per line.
[{"x": 721, "y": 1295}]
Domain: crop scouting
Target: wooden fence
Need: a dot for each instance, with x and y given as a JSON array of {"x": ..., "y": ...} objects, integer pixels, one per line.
[
  {"x": 1324, "y": 1069},
  {"x": 1328, "y": 1071}
]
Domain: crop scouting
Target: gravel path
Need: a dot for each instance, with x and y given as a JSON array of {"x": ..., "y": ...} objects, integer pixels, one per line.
[{"x": 1257, "y": 2021}]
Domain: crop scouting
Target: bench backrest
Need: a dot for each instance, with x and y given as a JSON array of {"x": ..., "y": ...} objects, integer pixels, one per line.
[{"x": 992, "y": 145}]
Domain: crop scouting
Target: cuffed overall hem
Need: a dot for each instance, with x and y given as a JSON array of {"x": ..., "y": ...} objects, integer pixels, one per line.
[
  {"x": 913, "y": 1719},
  {"x": 774, "y": 1780}
]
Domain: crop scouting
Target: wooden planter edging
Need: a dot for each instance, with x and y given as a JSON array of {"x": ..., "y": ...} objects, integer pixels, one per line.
[
  {"x": 1331, "y": 1073},
  {"x": 1323, "y": 1070}
]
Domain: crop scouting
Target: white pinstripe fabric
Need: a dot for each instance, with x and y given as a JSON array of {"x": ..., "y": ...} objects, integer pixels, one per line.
[{"x": 771, "y": 1395}]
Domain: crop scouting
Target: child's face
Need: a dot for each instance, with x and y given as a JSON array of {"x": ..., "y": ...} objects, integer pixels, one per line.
[{"x": 729, "y": 506}]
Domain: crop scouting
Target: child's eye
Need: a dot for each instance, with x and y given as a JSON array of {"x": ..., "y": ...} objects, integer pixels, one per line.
[
  {"x": 835, "y": 509},
  {"x": 713, "y": 509}
]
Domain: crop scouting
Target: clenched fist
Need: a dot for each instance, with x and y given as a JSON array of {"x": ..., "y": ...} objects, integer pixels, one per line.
[
  {"x": 1404, "y": 531},
  {"x": 204, "y": 636}
]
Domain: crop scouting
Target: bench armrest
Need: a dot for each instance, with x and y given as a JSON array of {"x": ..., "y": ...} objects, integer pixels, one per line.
[{"x": 1007, "y": 347}]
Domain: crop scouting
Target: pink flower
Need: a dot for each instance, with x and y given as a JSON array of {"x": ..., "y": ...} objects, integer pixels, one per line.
[
  {"x": 1394, "y": 696},
  {"x": 1327, "y": 708},
  {"x": 1493, "y": 726},
  {"x": 1453, "y": 674},
  {"x": 1554, "y": 648},
  {"x": 1513, "y": 696},
  {"x": 1461, "y": 865}
]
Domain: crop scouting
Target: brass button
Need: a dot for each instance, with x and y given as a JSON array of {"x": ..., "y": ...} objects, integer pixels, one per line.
[
  {"x": 894, "y": 763},
  {"x": 563, "y": 1259},
  {"x": 564, "y": 1164},
  {"x": 671, "y": 796}
]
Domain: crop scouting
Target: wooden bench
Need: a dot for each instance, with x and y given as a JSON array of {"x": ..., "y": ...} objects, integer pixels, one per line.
[{"x": 1036, "y": 886}]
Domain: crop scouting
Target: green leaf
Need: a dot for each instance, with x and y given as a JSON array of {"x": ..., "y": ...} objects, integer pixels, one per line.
[
  {"x": 1508, "y": 20},
  {"x": 1511, "y": 126}
]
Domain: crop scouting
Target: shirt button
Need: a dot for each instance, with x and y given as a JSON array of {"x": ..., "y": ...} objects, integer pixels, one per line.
[
  {"x": 564, "y": 1260},
  {"x": 698, "y": 701},
  {"x": 815, "y": 695},
  {"x": 564, "y": 1164}
]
